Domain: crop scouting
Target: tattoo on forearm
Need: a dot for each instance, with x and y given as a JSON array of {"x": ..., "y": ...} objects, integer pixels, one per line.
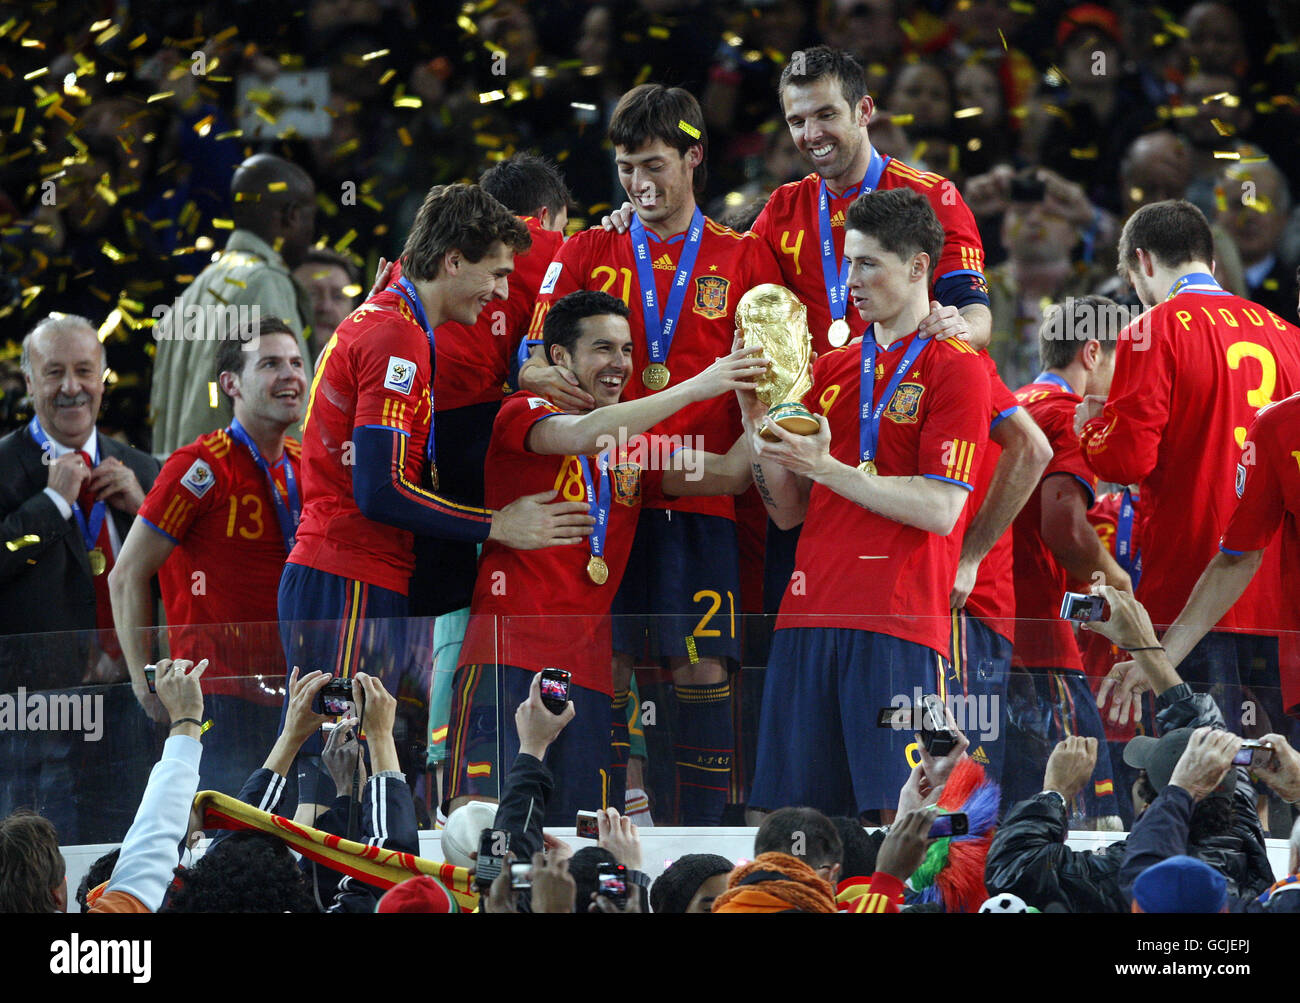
[{"x": 761, "y": 484}]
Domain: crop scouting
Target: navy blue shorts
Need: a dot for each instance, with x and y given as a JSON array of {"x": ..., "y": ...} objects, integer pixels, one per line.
[
  {"x": 819, "y": 743},
  {"x": 482, "y": 743},
  {"x": 1044, "y": 707},
  {"x": 682, "y": 580},
  {"x": 1223, "y": 664},
  {"x": 976, "y": 689},
  {"x": 342, "y": 626}
]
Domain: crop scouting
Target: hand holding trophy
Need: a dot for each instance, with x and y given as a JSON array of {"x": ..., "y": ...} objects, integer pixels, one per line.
[{"x": 771, "y": 317}]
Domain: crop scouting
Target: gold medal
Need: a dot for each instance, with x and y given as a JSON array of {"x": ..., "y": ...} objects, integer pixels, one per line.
[
  {"x": 868, "y": 467},
  {"x": 598, "y": 570},
  {"x": 838, "y": 335},
  {"x": 98, "y": 562},
  {"x": 655, "y": 376}
]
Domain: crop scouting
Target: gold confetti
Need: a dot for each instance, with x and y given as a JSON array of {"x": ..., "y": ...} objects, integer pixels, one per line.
[
  {"x": 160, "y": 96},
  {"x": 411, "y": 101},
  {"x": 1019, "y": 7},
  {"x": 224, "y": 224},
  {"x": 111, "y": 252},
  {"x": 374, "y": 203},
  {"x": 1005, "y": 47},
  {"x": 138, "y": 41},
  {"x": 212, "y": 394},
  {"x": 352, "y": 289},
  {"x": 35, "y": 74},
  {"x": 1226, "y": 155},
  {"x": 278, "y": 186},
  {"x": 115, "y": 76},
  {"x": 238, "y": 283},
  {"x": 18, "y": 119},
  {"x": 232, "y": 134},
  {"x": 388, "y": 75},
  {"x": 108, "y": 34},
  {"x": 345, "y": 240},
  {"x": 377, "y": 54},
  {"x": 658, "y": 31},
  {"x": 968, "y": 113},
  {"x": 22, "y": 541},
  {"x": 402, "y": 133},
  {"x": 1221, "y": 127},
  {"x": 4, "y": 28},
  {"x": 221, "y": 36}
]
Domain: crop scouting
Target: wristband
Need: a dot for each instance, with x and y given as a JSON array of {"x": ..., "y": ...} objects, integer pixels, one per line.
[
  {"x": 186, "y": 720},
  {"x": 1149, "y": 647}
]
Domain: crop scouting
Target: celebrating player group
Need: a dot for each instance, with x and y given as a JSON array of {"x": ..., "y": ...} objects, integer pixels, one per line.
[{"x": 628, "y": 494}]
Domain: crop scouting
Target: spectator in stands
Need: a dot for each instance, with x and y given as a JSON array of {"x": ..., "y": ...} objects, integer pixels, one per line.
[
  {"x": 66, "y": 502},
  {"x": 691, "y": 883},
  {"x": 33, "y": 875},
  {"x": 1222, "y": 116},
  {"x": 1254, "y": 204},
  {"x": 1214, "y": 42},
  {"x": 274, "y": 214},
  {"x": 920, "y": 99},
  {"x": 333, "y": 283},
  {"x": 804, "y": 833}
]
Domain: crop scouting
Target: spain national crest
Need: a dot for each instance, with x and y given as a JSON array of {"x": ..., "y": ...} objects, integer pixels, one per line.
[
  {"x": 905, "y": 404},
  {"x": 711, "y": 296},
  {"x": 627, "y": 483}
]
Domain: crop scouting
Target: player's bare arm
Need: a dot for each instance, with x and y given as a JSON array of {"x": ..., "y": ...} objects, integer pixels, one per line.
[
  {"x": 143, "y": 552},
  {"x": 696, "y": 472},
  {"x": 580, "y": 435},
  {"x": 1025, "y": 455},
  {"x": 922, "y": 502},
  {"x": 1220, "y": 586},
  {"x": 1071, "y": 538}
]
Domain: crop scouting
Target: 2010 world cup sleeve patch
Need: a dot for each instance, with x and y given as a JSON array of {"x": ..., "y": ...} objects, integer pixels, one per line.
[
  {"x": 1241, "y": 479},
  {"x": 198, "y": 480},
  {"x": 400, "y": 376},
  {"x": 552, "y": 276}
]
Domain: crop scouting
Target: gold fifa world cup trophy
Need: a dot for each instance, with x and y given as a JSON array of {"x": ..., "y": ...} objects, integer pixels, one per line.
[{"x": 771, "y": 317}]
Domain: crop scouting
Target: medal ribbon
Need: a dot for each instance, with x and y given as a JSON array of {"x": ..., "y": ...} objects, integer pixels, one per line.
[
  {"x": 89, "y": 527},
  {"x": 1196, "y": 282},
  {"x": 597, "y": 507},
  {"x": 286, "y": 514},
  {"x": 837, "y": 282},
  {"x": 1046, "y": 377},
  {"x": 1125, "y": 556},
  {"x": 406, "y": 290},
  {"x": 659, "y": 329},
  {"x": 869, "y": 417}
]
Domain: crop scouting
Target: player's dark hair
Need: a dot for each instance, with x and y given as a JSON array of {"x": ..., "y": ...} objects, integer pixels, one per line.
[
  {"x": 461, "y": 218},
  {"x": 860, "y": 851},
  {"x": 245, "y": 872},
  {"x": 525, "y": 183},
  {"x": 1175, "y": 231},
  {"x": 804, "y": 833},
  {"x": 31, "y": 866},
  {"x": 231, "y": 357},
  {"x": 1070, "y": 324},
  {"x": 901, "y": 219},
  {"x": 670, "y": 114},
  {"x": 325, "y": 257},
  {"x": 561, "y": 324},
  {"x": 584, "y": 868},
  {"x": 807, "y": 66}
]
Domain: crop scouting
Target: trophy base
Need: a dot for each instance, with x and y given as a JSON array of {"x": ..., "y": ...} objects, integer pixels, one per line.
[{"x": 793, "y": 417}]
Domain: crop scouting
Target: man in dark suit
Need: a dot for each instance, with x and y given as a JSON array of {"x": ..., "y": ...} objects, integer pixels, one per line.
[{"x": 67, "y": 498}]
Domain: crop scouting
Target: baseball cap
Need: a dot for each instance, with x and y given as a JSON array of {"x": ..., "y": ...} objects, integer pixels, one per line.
[
  {"x": 1087, "y": 15},
  {"x": 1158, "y": 756},
  {"x": 1180, "y": 884}
]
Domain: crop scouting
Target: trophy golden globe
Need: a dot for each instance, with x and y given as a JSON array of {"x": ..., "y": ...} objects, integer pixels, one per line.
[{"x": 772, "y": 318}]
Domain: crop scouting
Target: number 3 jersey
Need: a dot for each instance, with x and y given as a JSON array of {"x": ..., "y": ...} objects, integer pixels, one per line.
[
  {"x": 551, "y": 613},
  {"x": 219, "y": 585},
  {"x": 1190, "y": 374}
]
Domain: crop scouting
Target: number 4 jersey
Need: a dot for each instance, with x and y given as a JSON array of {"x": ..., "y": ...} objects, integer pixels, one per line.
[{"x": 1190, "y": 374}]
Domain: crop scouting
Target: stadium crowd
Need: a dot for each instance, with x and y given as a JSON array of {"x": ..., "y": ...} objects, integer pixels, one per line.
[{"x": 808, "y": 414}]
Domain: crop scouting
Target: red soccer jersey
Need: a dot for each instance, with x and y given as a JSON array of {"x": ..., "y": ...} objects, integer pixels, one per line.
[
  {"x": 1189, "y": 376},
  {"x": 549, "y": 612},
  {"x": 219, "y": 585},
  {"x": 789, "y": 224},
  {"x": 1269, "y": 489},
  {"x": 993, "y": 599},
  {"x": 474, "y": 362},
  {"x": 374, "y": 372},
  {"x": 859, "y": 570},
  {"x": 728, "y": 265},
  {"x": 1043, "y": 639}
]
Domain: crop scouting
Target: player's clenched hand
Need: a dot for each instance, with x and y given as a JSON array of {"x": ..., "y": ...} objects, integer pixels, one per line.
[
  {"x": 964, "y": 583},
  {"x": 1091, "y": 406},
  {"x": 807, "y": 455},
  {"x": 529, "y": 523},
  {"x": 944, "y": 322},
  {"x": 620, "y": 220},
  {"x": 558, "y": 385},
  {"x": 736, "y": 371},
  {"x": 383, "y": 271}
]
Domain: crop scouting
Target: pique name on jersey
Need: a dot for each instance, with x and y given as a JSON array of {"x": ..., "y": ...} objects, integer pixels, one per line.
[
  {"x": 401, "y": 375},
  {"x": 198, "y": 479}
]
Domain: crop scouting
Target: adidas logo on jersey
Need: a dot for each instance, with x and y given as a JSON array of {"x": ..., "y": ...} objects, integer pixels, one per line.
[
  {"x": 980, "y": 756},
  {"x": 663, "y": 261},
  {"x": 838, "y": 218}
]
